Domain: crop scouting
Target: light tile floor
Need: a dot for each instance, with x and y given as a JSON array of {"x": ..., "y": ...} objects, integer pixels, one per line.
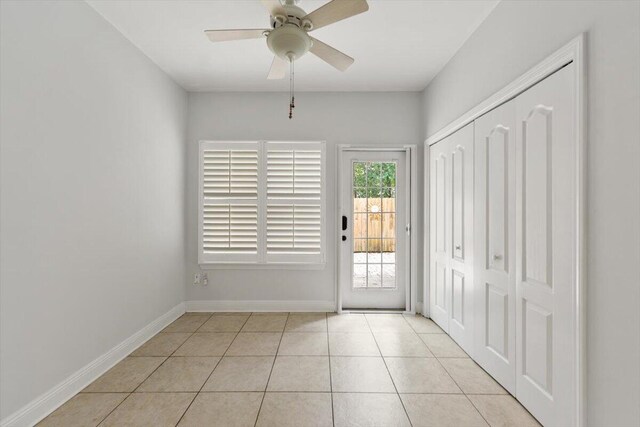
[{"x": 298, "y": 369}]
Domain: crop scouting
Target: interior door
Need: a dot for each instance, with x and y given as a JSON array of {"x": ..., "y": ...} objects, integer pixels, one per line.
[
  {"x": 461, "y": 261},
  {"x": 374, "y": 260},
  {"x": 494, "y": 227},
  {"x": 545, "y": 244},
  {"x": 451, "y": 225},
  {"x": 440, "y": 226}
]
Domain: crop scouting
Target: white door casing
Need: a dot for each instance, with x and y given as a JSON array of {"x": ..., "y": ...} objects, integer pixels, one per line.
[
  {"x": 374, "y": 298},
  {"x": 545, "y": 247},
  {"x": 494, "y": 227},
  {"x": 452, "y": 235}
]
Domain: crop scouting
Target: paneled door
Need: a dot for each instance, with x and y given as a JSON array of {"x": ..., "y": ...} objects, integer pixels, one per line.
[
  {"x": 374, "y": 264},
  {"x": 440, "y": 230},
  {"x": 451, "y": 225},
  {"x": 545, "y": 247},
  {"x": 494, "y": 226}
]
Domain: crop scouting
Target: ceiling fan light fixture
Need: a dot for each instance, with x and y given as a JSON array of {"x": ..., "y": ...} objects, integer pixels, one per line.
[{"x": 289, "y": 40}]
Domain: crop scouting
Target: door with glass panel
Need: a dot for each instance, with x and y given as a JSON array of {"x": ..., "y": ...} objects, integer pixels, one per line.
[{"x": 373, "y": 230}]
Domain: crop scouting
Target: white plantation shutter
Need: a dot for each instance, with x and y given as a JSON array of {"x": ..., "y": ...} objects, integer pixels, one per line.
[
  {"x": 229, "y": 211},
  {"x": 261, "y": 202},
  {"x": 294, "y": 213},
  {"x": 294, "y": 172},
  {"x": 230, "y": 173},
  {"x": 294, "y": 228},
  {"x": 230, "y": 228}
]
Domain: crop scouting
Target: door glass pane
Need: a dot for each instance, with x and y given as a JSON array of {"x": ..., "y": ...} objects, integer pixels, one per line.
[
  {"x": 389, "y": 275},
  {"x": 374, "y": 225},
  {"x": 374, "y": 275}
]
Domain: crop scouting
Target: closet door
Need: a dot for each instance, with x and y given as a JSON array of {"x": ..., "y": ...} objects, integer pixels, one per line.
[
  {"x": 494, "y": 247},
  {"x": 440, "y": 231},
  {"x": 545, "y": 248},
  {"x": 451, "y": 213},
  {"x": 461, "y": 261}
]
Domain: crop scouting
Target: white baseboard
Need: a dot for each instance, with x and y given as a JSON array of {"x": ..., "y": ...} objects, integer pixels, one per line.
[
  {"x": 42, "y": 406},
  {"x": 257, "y": 305}
]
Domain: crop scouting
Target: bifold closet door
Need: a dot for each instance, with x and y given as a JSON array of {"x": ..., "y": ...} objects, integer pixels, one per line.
[
  {"x": 452, "y": 235},
  {"x": 494, "y": 249},
  {"x": 545, "y": 246},
  {"x": 440, "y": 230}
]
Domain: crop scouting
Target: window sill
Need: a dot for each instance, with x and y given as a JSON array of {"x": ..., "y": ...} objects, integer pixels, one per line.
[{"x": 269, "y": 266}]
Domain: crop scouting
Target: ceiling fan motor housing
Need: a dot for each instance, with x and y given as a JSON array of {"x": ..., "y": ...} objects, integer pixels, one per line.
[{"x": 289, "y": 41}]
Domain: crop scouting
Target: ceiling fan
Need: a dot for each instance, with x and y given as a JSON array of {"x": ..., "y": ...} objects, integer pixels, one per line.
[{"x": 288, "y": 36}]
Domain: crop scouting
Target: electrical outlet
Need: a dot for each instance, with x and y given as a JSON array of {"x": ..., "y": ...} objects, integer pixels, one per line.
[{"x": 196, "y": 279}]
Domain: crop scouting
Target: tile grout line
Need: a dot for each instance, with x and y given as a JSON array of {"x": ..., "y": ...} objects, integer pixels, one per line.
[
  {"x": 456, "y": 382},
  {"x": 445, "y": 369},
  {"x": 264, "y": 394},
  {"x": 214, "y": 368},
  {"x": 388, "y": 371},
  {"x": 333, "y": 418},
  {"x": 152, "y": 372}
]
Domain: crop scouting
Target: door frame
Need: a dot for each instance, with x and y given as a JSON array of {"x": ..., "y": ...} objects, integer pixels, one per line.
[
  {"x": 412, "y": 212},
  {"x": 574, "y": 51}
]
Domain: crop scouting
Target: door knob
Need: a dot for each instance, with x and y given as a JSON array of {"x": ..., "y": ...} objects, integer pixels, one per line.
[{"x": 497, "y": 257}]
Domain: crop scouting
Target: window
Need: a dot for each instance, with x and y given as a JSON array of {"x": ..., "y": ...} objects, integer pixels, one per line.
[{"x": 262, "y": 202}]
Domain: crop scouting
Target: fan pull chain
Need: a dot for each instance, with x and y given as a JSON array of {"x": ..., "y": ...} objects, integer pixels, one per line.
[{"x": 292, "y": 104}]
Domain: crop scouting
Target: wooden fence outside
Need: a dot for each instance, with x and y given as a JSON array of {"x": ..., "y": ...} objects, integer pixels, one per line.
[{"x": 380, "y": 231}]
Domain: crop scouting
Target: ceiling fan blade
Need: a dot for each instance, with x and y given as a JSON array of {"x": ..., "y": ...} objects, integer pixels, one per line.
[
  {"x": 336, "y": 10},
  {"x": 274, "y": 7},
  {"x": 330, "y": 55},
  {"x": 228, "y": 35},
  {"x": 278, "y": 68}
]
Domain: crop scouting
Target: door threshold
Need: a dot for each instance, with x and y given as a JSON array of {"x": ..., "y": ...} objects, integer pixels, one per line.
[{"x": 374, "y": 311}]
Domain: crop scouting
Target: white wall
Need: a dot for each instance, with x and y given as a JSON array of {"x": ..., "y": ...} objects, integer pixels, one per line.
[
  {"x": 92, "y": 194},
  {"x": 514, "y": 37},
  {"x": 338, "y": 118}
]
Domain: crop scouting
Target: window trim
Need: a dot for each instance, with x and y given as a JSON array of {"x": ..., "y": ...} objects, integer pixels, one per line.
[{"x": 261, "y": 259}]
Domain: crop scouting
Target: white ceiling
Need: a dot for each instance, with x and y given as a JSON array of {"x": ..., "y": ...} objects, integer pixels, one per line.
[{"x": 398, "y": 45}]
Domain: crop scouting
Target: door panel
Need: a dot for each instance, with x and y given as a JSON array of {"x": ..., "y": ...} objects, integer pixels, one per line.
[
  {"x": 494, "y": 240},
  {"x": 497, "y": 328},
  {"x": 496, "y": 200},
  {"x": 451, "y": 165},
  {"x": 545, "y": 236}
]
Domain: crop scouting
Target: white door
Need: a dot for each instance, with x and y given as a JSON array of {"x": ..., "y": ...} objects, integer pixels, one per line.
[
  {"x": 374, "y": 219},
  {"x": 494, "y": 226},
  {"x": 545, "y": 247},
  {"x": 451, "y": 224},
  {"x": 440, "y": 229}
]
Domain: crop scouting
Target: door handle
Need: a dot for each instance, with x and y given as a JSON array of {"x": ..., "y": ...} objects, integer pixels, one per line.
[
  {"x": 497, "y": 257},
  {"x": 344, "y": 222}
]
